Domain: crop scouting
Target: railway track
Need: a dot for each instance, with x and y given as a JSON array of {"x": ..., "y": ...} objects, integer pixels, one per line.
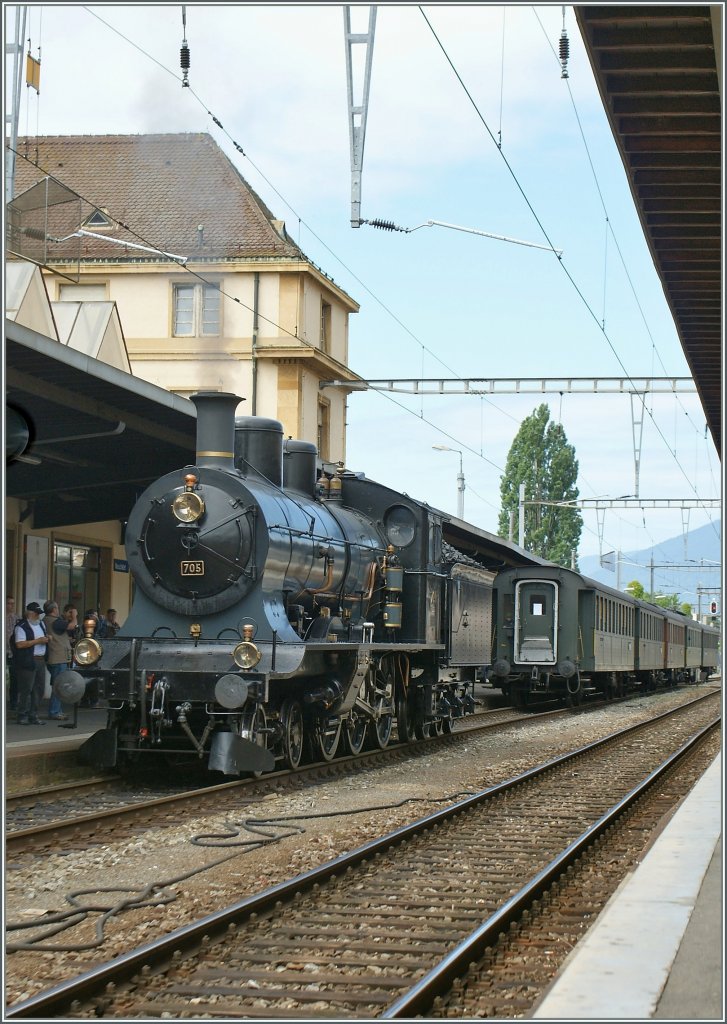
[
  {"x": 387, "y": 928},
  {"x": 29, "y": 830}
]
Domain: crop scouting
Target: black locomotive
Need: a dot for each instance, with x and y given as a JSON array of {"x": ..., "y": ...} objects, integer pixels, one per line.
[{"x": 280, "y": 613}]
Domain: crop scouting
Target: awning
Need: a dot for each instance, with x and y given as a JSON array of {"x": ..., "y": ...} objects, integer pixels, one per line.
[{"x": 98, "y": 436}]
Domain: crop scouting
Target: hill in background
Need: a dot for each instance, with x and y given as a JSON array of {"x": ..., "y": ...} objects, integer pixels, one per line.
[{"x": 700, "y": 549}]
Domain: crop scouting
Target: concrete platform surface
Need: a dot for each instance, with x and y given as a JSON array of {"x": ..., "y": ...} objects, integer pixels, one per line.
[{"x": 656, "y": 950}]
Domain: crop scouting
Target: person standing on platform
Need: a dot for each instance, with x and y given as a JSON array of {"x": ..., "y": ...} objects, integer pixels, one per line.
[
  {"x": 112, "y": 623},
  {"x": 30, "y": 641},
  {"x": 11, "y": 621},
  {"x": 60, "y": 629}
]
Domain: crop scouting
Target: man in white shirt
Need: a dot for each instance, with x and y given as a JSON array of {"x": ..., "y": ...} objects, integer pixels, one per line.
[{"x": 30, "y": 641}]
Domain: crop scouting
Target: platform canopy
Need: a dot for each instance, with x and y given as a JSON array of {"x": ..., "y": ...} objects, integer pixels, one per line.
[
  {"x": 658, "y": 68},
  {"x": 97, "y": 435}
]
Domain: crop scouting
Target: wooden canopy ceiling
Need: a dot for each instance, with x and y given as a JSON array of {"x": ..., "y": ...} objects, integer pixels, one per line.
[{"x": 658, "y": 69}]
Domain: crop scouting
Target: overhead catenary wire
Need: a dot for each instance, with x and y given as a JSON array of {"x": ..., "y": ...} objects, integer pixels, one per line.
[
  {"x": 570, "y": 277},
  {"x": 301, "y": 221}
]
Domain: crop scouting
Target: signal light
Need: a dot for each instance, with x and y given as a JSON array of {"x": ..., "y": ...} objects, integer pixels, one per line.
[{"x": 714, "y": 608}]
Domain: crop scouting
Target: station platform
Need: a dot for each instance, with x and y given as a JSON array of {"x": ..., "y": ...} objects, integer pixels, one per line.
[
  {"x": 45, "y": 754},
  {"x": 657, "y": 949}
]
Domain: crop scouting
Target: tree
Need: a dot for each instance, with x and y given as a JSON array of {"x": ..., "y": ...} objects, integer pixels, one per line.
[
  {"x": 541, "y": 458},
  {"x": 671, "y": 601}
]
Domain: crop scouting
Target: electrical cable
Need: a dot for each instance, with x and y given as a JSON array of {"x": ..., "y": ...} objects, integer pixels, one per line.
[
  {"x": 153, "y": 893},
  {"x": 560, "y": 260}
]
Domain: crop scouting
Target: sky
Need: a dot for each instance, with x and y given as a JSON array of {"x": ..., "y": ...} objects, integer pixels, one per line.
[{"x": 470, "y": 123}]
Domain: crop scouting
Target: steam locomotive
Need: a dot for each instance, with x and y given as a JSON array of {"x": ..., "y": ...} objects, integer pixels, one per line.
[{"x": 281, "y": 614}]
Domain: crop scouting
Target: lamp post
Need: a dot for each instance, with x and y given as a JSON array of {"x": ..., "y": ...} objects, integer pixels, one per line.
[{"x": 460, "y": 477}]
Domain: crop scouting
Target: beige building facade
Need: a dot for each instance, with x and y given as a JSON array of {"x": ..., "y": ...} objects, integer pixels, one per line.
[
  {"x": 210, "y": 289},
  {"x": 161, "y": 234}
]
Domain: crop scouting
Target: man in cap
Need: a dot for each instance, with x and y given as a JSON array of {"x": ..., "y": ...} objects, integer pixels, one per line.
[{"x": 30, "y": 641}]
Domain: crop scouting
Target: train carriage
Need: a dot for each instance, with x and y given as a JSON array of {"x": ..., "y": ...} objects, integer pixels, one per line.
[
  {"x": 675, "y": 648},
  {"x": 560, "y": 633},
  {"x": 693, "y": 652},
  {"x": 710, "y": 650}
]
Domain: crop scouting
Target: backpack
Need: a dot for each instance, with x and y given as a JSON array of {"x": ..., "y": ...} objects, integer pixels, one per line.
[{"x": 23, "y": 656}]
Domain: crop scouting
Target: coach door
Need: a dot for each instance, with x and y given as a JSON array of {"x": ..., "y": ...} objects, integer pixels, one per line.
[{"x": 536, "y": 622}]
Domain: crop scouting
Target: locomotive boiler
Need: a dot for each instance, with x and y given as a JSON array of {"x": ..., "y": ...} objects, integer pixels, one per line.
[{"x": 280, "y": 613}]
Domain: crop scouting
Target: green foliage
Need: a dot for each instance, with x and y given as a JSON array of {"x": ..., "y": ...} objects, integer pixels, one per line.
[
  {"x": 541, "y": 458},
  {"x": 671, "y": 601}
]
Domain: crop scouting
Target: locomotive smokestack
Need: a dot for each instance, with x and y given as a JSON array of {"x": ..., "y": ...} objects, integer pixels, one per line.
[{"x": 215, "y": 428}]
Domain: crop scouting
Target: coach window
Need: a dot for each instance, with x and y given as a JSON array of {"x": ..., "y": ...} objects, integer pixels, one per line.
[
  {"x": 537, "y": 604},
  {"x": 196, "y": 312}
]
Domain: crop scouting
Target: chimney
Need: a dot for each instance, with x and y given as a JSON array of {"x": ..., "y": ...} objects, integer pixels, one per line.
[{"x": 215, "y": 428}]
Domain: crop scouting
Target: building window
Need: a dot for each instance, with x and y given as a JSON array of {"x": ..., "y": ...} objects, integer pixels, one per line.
[
  {"x": 325, "y": 327},
  {"x": 324, "y": 429},
  {"x": 76, "y": 576},
  {"x": 196, "y": 311},
  {"x": 82, "y": 292},
  {"x": 97, "y": 220}
]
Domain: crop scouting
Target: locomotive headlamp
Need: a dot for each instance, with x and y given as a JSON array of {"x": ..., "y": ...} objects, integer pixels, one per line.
[
  {"x": 87, "y": 651},
  {"x": 246, "y": 655},
  {"x": 188, "y": 507}
]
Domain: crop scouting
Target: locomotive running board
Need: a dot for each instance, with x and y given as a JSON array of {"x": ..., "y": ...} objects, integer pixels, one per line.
[{"x": 231, "y": 755}]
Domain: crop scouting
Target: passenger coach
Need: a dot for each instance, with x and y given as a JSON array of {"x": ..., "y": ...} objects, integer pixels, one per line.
[{"x": 562, "y": 634}]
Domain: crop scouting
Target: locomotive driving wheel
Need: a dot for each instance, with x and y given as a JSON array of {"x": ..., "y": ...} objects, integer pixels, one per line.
[
  {"x": 354, "y": 733},
  {"x": 325, "y": 735},
  {"x": 404, "y": 718},
  {"x": 380, "y": 687},
  {"x": 422, "y": 729},
  {"x": 291, "y": 717},
  {"x": 255, "y": 728}
]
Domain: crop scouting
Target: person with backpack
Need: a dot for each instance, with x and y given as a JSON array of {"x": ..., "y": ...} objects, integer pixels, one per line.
[
  {"x": 29, "y": 641},
  {"x": 61, "y": 629}
]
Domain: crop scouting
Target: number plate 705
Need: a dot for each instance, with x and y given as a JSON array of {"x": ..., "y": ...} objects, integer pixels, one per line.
[{"x": 192, "y": 569}]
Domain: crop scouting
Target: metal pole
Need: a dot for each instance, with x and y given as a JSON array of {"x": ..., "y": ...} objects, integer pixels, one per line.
[
  {"x": 521, "y": 519},
  {"x": 460, "y": 490},
  {"x": 358, "y": 112},
  {"x": 13, "y": 117}
]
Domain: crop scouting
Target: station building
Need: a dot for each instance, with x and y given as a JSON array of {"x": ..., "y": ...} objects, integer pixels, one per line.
[{"x": 149, "y": 255}]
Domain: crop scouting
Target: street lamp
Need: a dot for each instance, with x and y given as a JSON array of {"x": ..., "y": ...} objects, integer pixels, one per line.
[{"x": 460, "y": 477}]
